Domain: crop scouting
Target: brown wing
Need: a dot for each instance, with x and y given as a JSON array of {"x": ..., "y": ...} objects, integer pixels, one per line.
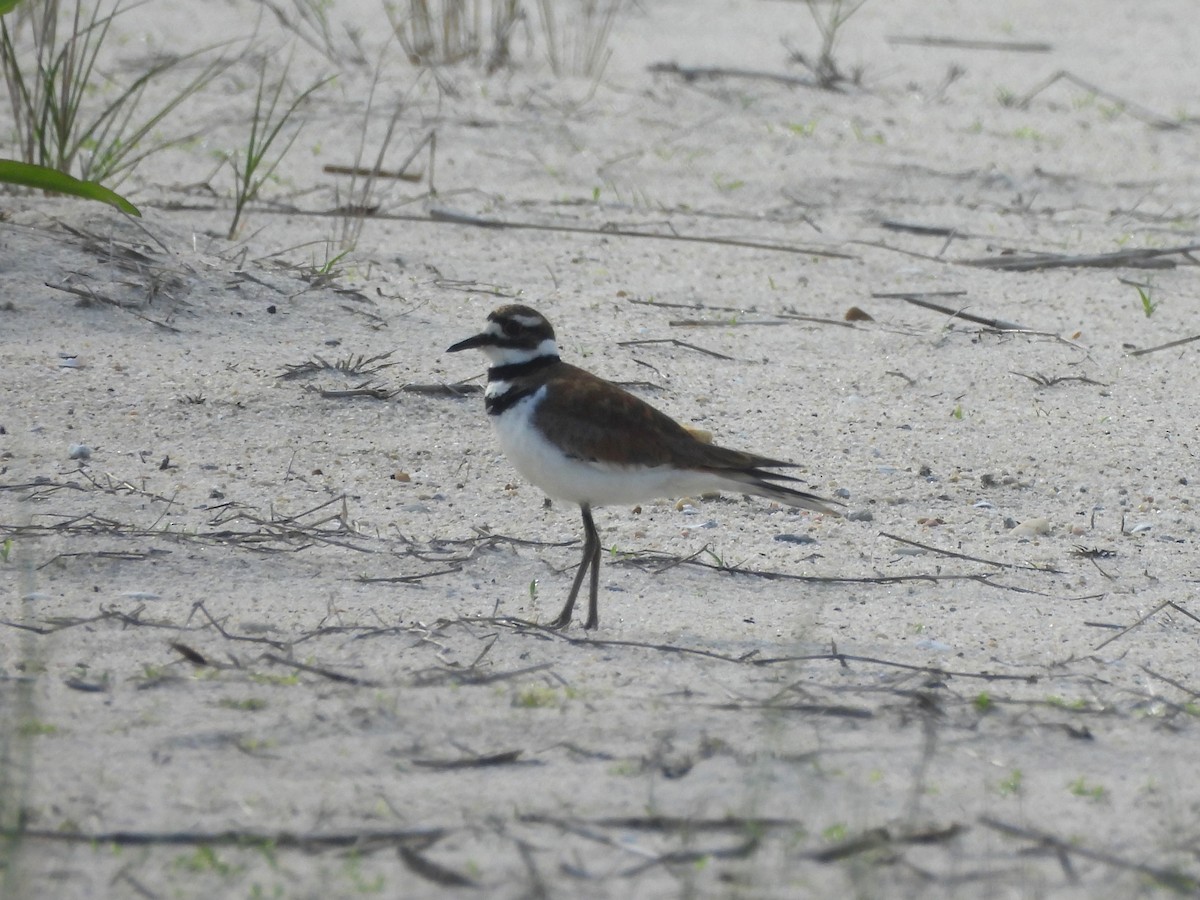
[{"x": 593, "y": 419}]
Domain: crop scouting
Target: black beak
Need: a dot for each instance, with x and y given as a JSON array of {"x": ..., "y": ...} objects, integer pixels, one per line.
[{"x": 480, "y": 340}]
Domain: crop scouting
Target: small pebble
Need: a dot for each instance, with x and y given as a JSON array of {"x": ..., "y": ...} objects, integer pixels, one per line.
[
  {"x": 860, "y": 515},
  {"x": 795, "y": 539},
  {"x": 1140, "y": 528},
  {"x": 79, "y": 451}
]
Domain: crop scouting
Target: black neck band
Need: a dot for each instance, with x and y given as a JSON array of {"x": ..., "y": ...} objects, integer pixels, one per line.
[{"x": 502, "y": 403}]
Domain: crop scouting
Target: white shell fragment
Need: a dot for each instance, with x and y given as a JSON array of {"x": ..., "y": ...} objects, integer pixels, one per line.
[{"x": 1031, "y": 528}]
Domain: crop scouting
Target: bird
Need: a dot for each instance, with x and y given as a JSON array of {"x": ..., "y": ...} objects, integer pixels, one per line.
[{"x": 588, "y": 441}]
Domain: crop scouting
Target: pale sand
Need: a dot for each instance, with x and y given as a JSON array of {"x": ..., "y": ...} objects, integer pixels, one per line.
[{"x": 642, "y": 756}]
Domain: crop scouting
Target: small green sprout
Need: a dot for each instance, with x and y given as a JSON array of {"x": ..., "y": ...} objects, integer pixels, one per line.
[{"x": 1145, "y": 295}]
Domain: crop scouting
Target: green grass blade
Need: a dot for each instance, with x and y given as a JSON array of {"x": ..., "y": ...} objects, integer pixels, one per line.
[{"x": 29, "y": 175}]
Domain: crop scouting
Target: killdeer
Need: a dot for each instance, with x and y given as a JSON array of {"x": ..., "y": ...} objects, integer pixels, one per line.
[{"x": 584, "y": 439}]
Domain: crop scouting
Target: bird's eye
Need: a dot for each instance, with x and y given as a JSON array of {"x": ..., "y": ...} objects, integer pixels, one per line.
[{"x": 510, "y": 326}]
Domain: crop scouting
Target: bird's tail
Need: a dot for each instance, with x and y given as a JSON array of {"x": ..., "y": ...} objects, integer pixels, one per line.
[{"x": 763, "y": 483}]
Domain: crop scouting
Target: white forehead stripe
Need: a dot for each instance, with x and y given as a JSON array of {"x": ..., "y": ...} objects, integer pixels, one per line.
[{"x": 529, "y": 321}]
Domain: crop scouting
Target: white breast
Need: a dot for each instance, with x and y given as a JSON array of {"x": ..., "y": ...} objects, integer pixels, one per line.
[{"x": 594, "y": 483}]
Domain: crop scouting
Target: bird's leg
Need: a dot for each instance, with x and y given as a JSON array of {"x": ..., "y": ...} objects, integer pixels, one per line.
[
  {"x": 592, "y": 538},
  {"x": 591, "y": 546}
]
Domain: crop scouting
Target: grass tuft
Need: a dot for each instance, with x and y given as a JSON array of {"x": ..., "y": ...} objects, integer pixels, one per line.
[
  {"x": 445, "y": 32},
  {"x": 309, "y": 21},
  {"x": 253, "y": 166},
  {"x": 69, "y": 117},
  {"x": 830, "y": 16},
  {"x": 578, "y": 44}
]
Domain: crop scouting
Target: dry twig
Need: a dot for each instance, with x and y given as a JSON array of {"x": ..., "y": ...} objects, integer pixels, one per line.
[
  {"x": 1067, "y": 847},
  {"x": 972, "y": 43},
  {"x": 1139, "y": 258},
  {"x": 922, "y": 301},
  {"x": 1149, "y": 116},
  {"x": 955, "y": 555},
  {"x": 1166, "y": 346}
]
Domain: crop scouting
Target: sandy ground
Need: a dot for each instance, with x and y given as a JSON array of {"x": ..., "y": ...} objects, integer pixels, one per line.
[{"x": 264, "y": 641}]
